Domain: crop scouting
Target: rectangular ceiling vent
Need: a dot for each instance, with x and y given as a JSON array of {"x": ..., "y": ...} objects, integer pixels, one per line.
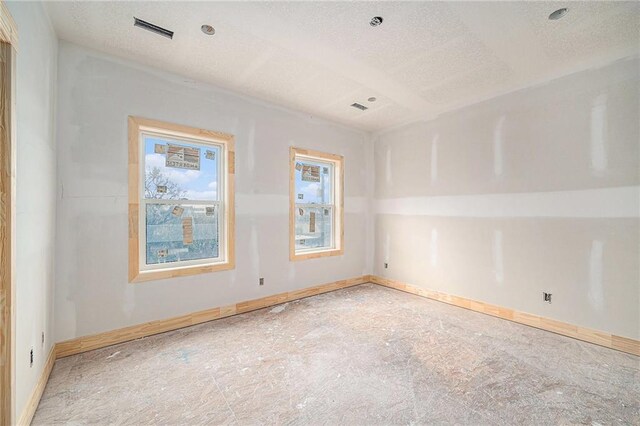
[
  {"x": 153, "y": 28},
  {"x": 359, "y": 106}
]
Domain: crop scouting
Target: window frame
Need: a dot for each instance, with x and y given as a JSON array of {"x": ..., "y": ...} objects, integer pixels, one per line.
[
  {"x": 338, "y": 203},
  {"x": 138, "y": 270}
]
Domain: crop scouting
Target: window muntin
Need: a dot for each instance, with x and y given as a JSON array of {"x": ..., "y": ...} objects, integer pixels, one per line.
[
  {"x": 316, "y": 204},
  {"x": 314, "y": 181},
  {"x": 179, "y": 211},
  {"x": 181, "y": 199}
]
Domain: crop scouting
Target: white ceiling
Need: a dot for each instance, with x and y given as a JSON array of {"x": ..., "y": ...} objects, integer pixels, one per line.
[{"x": 320, "y": 57}]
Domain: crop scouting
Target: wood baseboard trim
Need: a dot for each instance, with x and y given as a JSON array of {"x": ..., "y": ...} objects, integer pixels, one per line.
[
  {"x": 623, "y": 344},
  {"x": 34, "y": 399},
  {"x": 101, "y": 340},
  {"x": 109, "y": 338}
]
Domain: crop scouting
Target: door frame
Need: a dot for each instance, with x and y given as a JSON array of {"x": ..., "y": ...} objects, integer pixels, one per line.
[{"x": 8, "y": 49}]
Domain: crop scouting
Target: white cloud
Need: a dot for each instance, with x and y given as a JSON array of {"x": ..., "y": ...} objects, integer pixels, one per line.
[
  {"x": 154, "y": 160},
  {"x": 311, "y": 190},
  {"x": 213, "y": 185},
  {"x": 179, "y": 176}
]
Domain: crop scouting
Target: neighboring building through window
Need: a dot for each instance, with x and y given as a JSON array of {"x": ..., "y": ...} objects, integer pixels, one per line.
[
  {"x": 316, "y": 204},
  {"x": 181, "y": 215}
]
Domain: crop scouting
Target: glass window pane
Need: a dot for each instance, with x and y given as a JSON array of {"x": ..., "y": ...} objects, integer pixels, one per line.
[
  {"x": 178, "y": 232},
  {"x": 313, "y": 182},
  {"x": 314, "y": 227},
  {"x": 180, "y": 170}
]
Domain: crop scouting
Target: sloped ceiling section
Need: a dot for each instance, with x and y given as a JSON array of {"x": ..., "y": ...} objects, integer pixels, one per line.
[{"x": 319, "y": 57}]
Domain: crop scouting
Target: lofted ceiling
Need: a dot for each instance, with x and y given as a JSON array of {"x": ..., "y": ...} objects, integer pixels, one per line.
[{"x": 320, "y": 57}]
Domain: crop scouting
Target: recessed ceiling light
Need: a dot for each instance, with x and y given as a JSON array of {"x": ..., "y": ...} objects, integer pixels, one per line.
[
  {"x": 208, "y": 29},
  {"x": 375, "y": 21},
  {"x": 372, "y": 99},
  {"x": 558, "y": 14}
]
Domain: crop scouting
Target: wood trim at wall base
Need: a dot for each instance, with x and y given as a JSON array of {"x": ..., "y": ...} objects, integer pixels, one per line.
[
  {"x": 34, "y": 399},
  {"x": 607, "y": 340},
  {"x": 101, "y": 340},
  {"x": 88, "y": 343}
]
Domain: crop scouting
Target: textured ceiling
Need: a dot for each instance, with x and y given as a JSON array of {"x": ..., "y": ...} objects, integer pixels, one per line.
[{"x": 320, "y": 57}]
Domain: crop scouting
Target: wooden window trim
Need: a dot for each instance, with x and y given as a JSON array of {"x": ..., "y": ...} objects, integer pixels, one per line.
[
  {"x": 136, "y": 124},
  {"x": 338, "y": 160}
]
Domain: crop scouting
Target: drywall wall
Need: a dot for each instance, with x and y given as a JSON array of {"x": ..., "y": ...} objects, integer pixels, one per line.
[
  {"x": 533, "y": 191},
  {"x": 96, "y": 94},
  {"x": 35, "y": 193}
]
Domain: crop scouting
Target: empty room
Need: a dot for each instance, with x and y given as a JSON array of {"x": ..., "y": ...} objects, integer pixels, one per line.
[{"x": 319, "y": 213}]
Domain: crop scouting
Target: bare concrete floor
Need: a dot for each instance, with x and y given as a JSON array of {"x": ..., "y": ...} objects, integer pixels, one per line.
[{"x": 364, "y": 355}]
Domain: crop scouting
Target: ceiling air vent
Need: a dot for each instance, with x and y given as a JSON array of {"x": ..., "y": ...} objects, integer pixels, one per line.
[
  {"x": 359, "y": 106},
  {"x": 153, "y": 28}
]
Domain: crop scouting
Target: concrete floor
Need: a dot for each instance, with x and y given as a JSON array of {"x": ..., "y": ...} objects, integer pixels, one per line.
[{"x": 363, "y": 355}]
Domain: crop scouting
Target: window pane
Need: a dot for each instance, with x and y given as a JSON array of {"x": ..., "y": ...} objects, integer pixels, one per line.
[
  {"x": 313, "y": 182},
  {"x": 314, "y": 227},
  {"x": 178, "y": 232},
  {"x": 176, "y": 170}
]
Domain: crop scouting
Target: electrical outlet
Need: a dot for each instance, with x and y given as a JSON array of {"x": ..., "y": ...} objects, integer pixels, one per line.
[
  {"x": 261, "y": 281},
  {"x": 547, "y": 297},
  {"x": 31, "y": 358},
  {"x": 386, "y": 265}
]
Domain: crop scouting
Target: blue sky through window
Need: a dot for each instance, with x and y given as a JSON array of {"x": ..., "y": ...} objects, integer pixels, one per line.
[
  {"x": 313, "y": 192},
  {"x": 197, "y": 184}
]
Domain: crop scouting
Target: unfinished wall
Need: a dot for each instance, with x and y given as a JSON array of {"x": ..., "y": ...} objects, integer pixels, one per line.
[
  {"x": 97, "y": 93},
  {"x": 35, "y": 193},
  {"x": 533, "y": 191}
]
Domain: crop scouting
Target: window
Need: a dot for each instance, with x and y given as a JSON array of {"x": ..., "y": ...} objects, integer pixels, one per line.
[
  {"x": 181, "y": 200},
  {"x": 315, "y": 205}
]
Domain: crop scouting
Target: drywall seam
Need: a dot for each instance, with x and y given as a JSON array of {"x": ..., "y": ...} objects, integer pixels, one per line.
[
  {"x": 618, "y": 202},
  {"x": 276, "y": 204},
  {"x": 208, "y": 89},
  {"x": 602, "y": 62},
  {"x": 367, "y": 203}
]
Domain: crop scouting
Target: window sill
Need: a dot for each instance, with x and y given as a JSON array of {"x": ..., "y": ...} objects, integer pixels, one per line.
[
  {"x": 315, "y": 254},
  {"x": 185, "y": 271}
]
